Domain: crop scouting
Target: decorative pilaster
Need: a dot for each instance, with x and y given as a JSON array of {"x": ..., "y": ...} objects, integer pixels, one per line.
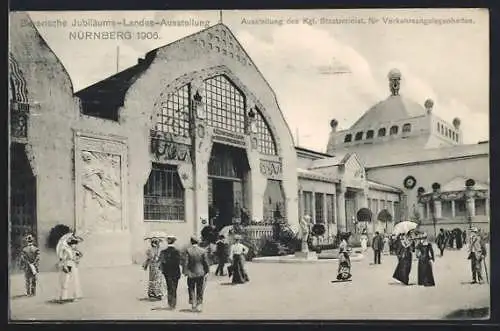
[
  {"x": 453, "y": 212},
  {"x": 341, "y": 224}
]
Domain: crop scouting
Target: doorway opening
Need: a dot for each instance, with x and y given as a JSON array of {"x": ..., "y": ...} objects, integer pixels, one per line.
[
  {"x": 22, "y": 202},
  {"x": 227, "y": 171}
]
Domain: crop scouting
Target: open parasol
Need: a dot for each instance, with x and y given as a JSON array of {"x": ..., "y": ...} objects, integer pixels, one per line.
[
  {"x": 225, "y": 231},
  {"x": 156, "y": 235},
  {"x": 404, "y": 227}
]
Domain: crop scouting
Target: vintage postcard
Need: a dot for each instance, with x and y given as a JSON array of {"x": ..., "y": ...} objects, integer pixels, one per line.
[{"x": 249, "y": 164}]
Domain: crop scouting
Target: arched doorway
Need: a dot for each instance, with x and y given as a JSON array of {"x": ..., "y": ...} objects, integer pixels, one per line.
[
  {"x": 22, "y": 200},
  {"x": 227, "y": 170}
]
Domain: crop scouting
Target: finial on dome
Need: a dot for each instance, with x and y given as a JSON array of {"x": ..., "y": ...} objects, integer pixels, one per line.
[
  {"x": 394, "y": 81},
  {"x": 333, "y": 124},
  {"x": 429, "y": 103},
  {"x": 456, "y": 123}
]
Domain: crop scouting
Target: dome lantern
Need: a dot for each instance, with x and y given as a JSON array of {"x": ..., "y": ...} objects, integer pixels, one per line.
[
  {"x": 394, "y": 81},
  {"x": 428, "y": 104}
]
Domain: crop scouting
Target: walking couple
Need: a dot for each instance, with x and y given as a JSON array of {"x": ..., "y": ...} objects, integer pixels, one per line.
[
  {"x": 168, "y": 263},
  {"x": 425, "y": 255}
]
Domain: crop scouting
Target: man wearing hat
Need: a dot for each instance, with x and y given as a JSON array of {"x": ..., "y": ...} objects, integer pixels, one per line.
[
  {"x": 30, "y": 259},
  {"x": 477, "y": 251},
  {"x": 196, "y": 268},
  {"x": 170, "y": 259}
]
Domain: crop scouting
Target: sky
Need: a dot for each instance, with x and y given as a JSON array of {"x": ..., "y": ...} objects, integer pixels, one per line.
[{"x": 316, "y": 65}]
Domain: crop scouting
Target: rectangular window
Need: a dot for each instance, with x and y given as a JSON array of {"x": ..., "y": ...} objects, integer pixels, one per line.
[
  {"x": 480, "y": 206},
  {"x": 307, "y": 203},
  {"x": 397, "y": 212},
  {"x": 319, "y": 208},
  {"x": 460, "y": 208},
  {"x": 446, "y": 209},
  {"x": 330, "y": 208},
  {"x": 163, "y": 194},
  {"x": 375, "y": 208}
]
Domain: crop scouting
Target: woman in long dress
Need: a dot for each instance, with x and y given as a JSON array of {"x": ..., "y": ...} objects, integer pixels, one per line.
[
  {"x": 387, "y": 247},
  {"x": 344, "y": 269},
  {"x": 69, "y": 276},
  {"x": 156, "y": 281},
  {"x": 425, "y": 255},
  {"x": 237, "y": 254},
  {"x": 364, "y": 241},
  {"x": 403, "y": 269}
]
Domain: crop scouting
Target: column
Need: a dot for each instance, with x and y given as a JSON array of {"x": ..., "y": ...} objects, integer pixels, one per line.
[
  {"x": 421, "y": 210},
  {"x": 341, "y": 224},
  {"x": 428, "y": 213},
  {"x": 437, "y": 209},
  {"x": 301, "y": 202},
  {"x": 453, "y": 209},
  {"x": 487, "y": 207},
  {"x": 313, "y": 207},
  {"x": 325, "y": 215}
]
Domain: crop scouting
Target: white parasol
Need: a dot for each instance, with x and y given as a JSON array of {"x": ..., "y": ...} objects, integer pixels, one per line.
[
  {"x": 404, "y": 227},
  {"x": 156, "y": 235},
  {"x": 225, "y": 231}
]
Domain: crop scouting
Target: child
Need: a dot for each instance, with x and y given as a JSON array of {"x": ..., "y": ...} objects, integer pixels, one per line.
[{"x": 30, "y": 259}]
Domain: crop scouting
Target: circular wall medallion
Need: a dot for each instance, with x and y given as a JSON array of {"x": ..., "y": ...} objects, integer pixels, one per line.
[
  {"x": 201, "y": 131},
  {"x": 410, "y": 182}
]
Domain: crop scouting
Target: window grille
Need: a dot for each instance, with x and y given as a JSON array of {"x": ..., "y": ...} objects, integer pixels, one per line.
[
  {"x": 174, "y": 115},
  {"x": 163, "y": 194}
]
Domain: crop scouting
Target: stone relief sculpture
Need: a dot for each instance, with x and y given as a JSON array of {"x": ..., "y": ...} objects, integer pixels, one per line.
[
  {"x": 101, "y": 183},
  {"x": 304, "y": 232}
]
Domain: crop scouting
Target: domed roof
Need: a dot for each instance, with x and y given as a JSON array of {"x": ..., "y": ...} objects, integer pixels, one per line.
[{"x": 394, "y": 108}]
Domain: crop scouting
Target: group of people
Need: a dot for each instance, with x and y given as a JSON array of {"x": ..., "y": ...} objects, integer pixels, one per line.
[
  {"x": 69, "y": 257},
  {"x": 167, "y": 265},
  {"x": 450, "y": 239},
  {"x": 425, "y": 255}
]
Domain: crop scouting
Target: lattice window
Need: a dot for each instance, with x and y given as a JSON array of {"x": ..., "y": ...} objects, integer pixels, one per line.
[
  {"x": 358, "y": 136},
  {"x": 174, "y": 114},
  {"x": 407, "y": 127},
  {"x": 381, "y": 132},
  {"x": 267, "y": 144},
  {"x": 348, "y": 138},
  {"x": 319, "y": 206},
  {"x": 224, "y": 104},
  {"x": 163, "y": 194},
  {"x": 330, "y": 208},
  {"x": 369, "y": 134},
  {"x": 394, "y": 130}
]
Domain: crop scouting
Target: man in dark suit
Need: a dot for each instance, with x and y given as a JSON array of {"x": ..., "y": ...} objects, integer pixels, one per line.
[
  {"x": 441, "y": 241},
  {"x": 196, "y": 269},
  {"x": 377, "y": 246},
  {"x": 171, "y": 268}
]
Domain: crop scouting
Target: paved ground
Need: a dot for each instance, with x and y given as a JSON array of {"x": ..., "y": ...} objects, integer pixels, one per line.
[{"x": 276, "y": 291}]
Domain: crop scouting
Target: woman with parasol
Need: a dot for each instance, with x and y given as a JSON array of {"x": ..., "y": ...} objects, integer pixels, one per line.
[
  {"x": 69, "y": 260},
  {"x": 403, "y": 269},
  {"x": 344, "y": 269},
  {"x": 156, "y": 281}
]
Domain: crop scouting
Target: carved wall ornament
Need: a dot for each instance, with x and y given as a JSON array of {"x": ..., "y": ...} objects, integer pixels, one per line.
[
  {"x": 101, "y": 185},
  {"x": 271, "y": 169},
  {"x": 163, "y": 147},
  {"x": 409, "y": 182},
  {"x": 255, "y": 143},
  {"x": 201, "y": 131}
]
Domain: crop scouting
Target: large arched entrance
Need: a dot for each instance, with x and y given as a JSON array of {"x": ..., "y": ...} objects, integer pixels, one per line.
[
  {"x": 227, "y": 170},
  {"x": 22, "y": 200}
]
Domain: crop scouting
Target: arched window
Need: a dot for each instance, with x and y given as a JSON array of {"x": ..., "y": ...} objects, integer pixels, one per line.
[
  {"x": 164, "y": 194},
  {"x": 224, "y": 104},
  {"x": 359, "y": 136},
  {"x": 174, "y": 115},
  {"x": 407, "y": 128},
  {"x": 439, "y": 127},
  {"x": 381, "y": 132},
  {"x": 394, "y": 130},
  {"x": 369, "y": 134},
  {"x": 267, "y": 144},
  {"x": 348, "y": 138},
  {"x": 457, "y": 137}
]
